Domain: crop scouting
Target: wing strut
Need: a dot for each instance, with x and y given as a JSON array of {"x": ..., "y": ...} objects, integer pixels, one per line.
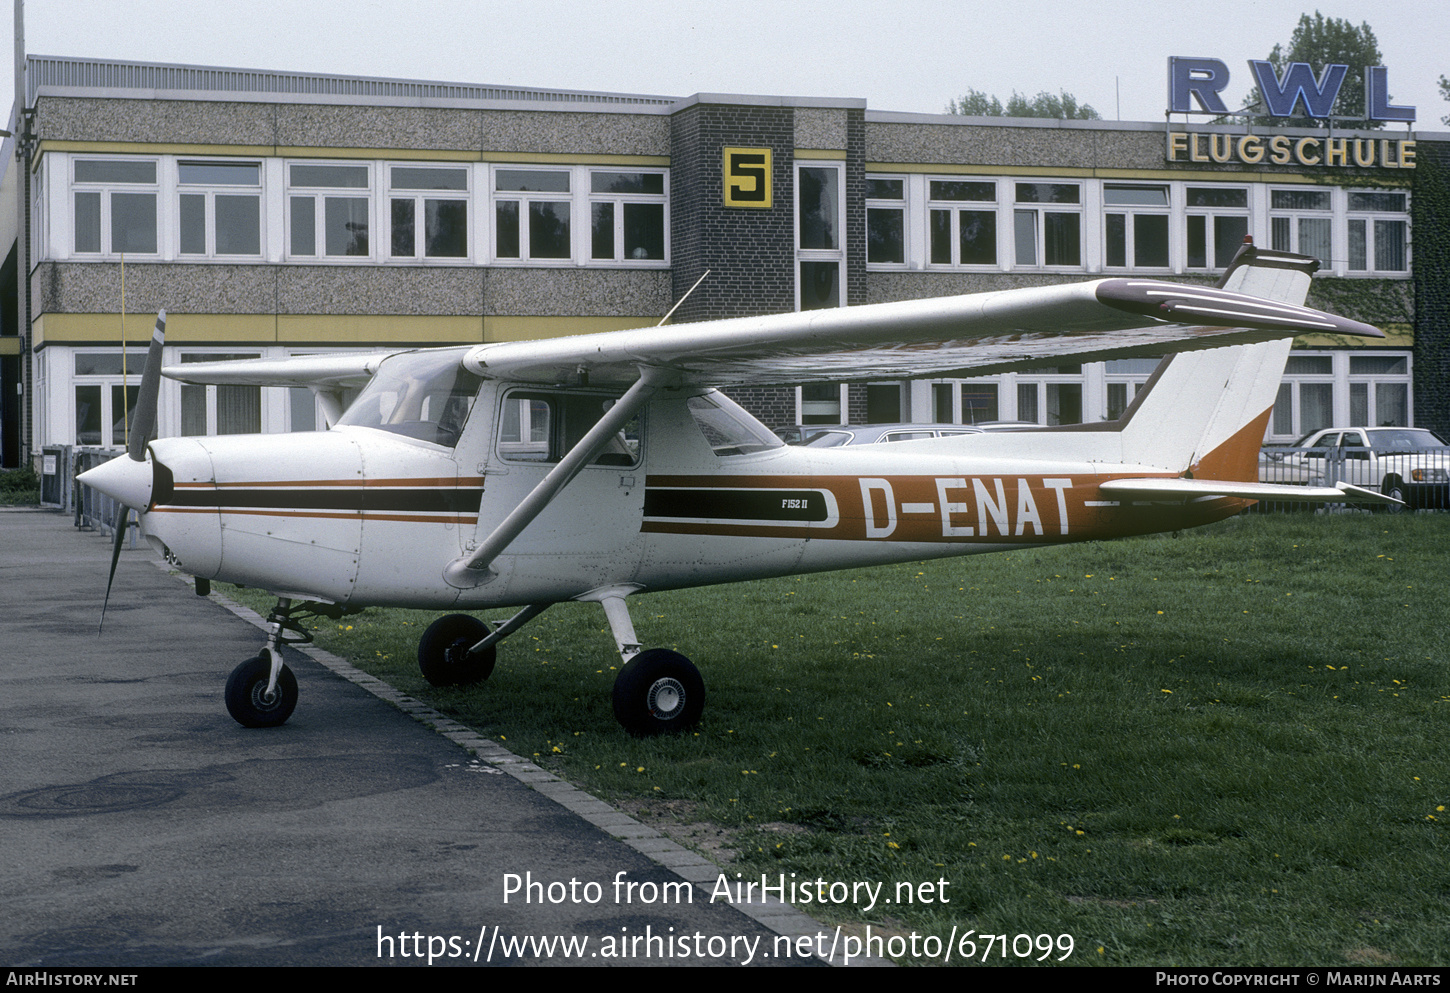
[{"x": 472, "y": 571}]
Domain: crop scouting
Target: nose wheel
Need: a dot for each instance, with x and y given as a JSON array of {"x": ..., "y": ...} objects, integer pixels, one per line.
[{"x": 254, "y": 699}]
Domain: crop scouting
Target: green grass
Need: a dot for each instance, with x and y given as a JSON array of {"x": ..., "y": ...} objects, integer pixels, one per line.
[{"x": 1221, "y": 748}]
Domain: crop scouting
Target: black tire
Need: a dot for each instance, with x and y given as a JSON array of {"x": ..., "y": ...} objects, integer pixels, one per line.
[
  {"x": 658, "y": 691},
  {"x": 443, "y": 651},
  {"x": 1393, "y": 487},
  {"x": 247, "y": 699}
]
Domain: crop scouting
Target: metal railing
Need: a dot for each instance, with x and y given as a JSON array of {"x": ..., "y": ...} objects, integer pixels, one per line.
[{"x": 1419, "y": 474}]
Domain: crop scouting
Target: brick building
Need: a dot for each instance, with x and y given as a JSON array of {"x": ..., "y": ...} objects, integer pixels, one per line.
[{"x": 281, "y": 214}]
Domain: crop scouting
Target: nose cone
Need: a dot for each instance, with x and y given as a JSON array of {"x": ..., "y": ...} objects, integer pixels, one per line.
[{"x": 122, "y": 479}]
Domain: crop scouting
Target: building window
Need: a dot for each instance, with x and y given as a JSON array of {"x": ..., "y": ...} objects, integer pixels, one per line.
[
  {"x": 979, "y": 402},
  {"x": 821, "y": 403},
  {"x": 962, "y": 222},
  {"x": 1135, "y": 225},
  {"x": 328, "y": 210},
  {"x": 1122, "y": 379},
  {"x": 1305, "y": 402},
  {"x": 1047, "y": 224},
  {"x": 1217, "y": 222},
  {"x": 820, "y": 219},
  {"x": 532, "y": 214},
  {"x": 627, "y": 216},
  {"x": 220, "y": 208},
  {"x": 1300, "y": 221},
  {"x": 115, "y": 206},
  {"x": 1056, "y": 398},
  {"x": 1378, "y": 233},
  {"x": 1379, "y": 390},
  {"x": 885, "y": 220},
  {"x": 207, "y": 410},
  {"x": 106, "y": 386},
  {"x": 428, "y": 212}
]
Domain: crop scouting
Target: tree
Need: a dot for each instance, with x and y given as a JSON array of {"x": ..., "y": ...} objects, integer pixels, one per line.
[
  {"x": 1061, "y": 106},
  {"x": 1445, "y": 94},
  {"x": 1322, "y": 41}
]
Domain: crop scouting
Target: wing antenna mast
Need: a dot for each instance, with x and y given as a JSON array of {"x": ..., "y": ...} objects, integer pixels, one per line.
[{"x": 683, "y": 298}]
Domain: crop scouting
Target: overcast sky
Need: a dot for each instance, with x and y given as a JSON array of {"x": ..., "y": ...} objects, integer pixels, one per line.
[{"x": 902, "y": 55}]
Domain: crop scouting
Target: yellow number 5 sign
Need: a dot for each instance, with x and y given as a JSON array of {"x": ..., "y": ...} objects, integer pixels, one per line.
[{"x": 747, "y": 177}]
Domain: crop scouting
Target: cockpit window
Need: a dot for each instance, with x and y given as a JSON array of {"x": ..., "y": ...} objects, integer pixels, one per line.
[
  {"x": 422, "y": 395},
  {"x": 728, "y": 429}
]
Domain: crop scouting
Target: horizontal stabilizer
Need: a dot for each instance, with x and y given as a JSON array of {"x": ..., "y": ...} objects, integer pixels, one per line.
[{"x": 1182, "y": 490}]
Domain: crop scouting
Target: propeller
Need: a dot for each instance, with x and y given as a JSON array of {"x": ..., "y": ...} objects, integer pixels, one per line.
[{"x": 128, "y": 478}]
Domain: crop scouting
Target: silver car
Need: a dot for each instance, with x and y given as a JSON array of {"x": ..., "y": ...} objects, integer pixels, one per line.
[{"x": 874, "y": 434}]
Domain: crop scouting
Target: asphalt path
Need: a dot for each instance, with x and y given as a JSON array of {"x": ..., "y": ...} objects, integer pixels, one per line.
[{"x": 142, "y": 826}]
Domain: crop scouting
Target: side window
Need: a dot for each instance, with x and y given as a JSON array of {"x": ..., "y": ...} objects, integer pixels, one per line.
[
  {"x": 1378, "y": 232},
  {"x": 208, "y": 410},
  {"x": 1300, "y": 221},
  {"x": 115, "y": 206},
  {"x": 1218, "y": 220},
  {"x": 627, "y": 216},
  {"x": 220, "y": 208},
  {"x": 962, "y": 222},
  {"x": 543, "y": 427},
  {"x": 1135, "y": 225},
  {"x": 428, "y": 211},
  {"x": 329, "y": 209},
  {"x": 1047, "y": 224},
  {"x": 531, "y": 212},
  {"x": 885, "y": 220}
]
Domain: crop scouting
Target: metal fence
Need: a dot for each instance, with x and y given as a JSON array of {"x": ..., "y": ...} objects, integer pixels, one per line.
[
  {"x": 58, "y": 487},
  {"x": 1420, "y": 476}
]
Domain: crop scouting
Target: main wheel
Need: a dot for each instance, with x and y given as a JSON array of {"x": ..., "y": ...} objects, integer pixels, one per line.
[
  {"x": 247, "y": 699},
  {"x": 443, "y": 651},
  {"x": 657, "y": 691}
]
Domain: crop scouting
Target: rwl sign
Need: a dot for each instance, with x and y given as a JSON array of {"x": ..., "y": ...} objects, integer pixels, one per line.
[{"x": 1202, "y": 80}]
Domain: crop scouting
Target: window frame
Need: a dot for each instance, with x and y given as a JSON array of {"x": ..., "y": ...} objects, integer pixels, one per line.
[
  {"x": 106, "y": 191},
  {"x": 209, "y": 191},
  {"x": 320, "y": 195},
  {"x": 1211, "y": 214},
  {"x": 525, "y": 198},
  {"x": 620, "y": 201},
  {"x": 821, "y": 256},
  {"x": 1131, "y": 213},
  {"x": 1040, "y": 210},
  {"x": 419, "y": 198},
  {"x": 900, "y": 207},
  {"x": 1372, "y": 219},
  {"x": 1296, "y": 216},
  {"x": 954, "y": 208}
]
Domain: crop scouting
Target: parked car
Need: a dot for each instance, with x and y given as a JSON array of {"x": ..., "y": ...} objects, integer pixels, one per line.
[
  {"x": 835, "y": 436},
  {"x": 796, "y": 434},
  {"x": 1410, "y": 464}
]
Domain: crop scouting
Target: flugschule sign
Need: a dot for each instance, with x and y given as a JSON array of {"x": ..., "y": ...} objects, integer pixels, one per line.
[{"x": 1201, "y": 81}]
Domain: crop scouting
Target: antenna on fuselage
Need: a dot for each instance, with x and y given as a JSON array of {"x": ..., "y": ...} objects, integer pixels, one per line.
[{"x": 683, "y": 298}]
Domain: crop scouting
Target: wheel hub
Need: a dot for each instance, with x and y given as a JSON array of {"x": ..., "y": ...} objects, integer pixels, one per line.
[{"x": 666, "y": 698}]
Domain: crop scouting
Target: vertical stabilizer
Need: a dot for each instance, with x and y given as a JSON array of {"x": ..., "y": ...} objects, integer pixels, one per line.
[{"x": 1205, "y": 413}]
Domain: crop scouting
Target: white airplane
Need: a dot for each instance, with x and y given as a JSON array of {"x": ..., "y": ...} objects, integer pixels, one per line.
[{"x": 524, "y": 474}]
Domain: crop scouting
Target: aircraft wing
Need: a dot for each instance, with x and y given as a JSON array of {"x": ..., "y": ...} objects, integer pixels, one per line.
[
  {"x": 316, "y": 371},
  {"x": 969, "y": 335}
]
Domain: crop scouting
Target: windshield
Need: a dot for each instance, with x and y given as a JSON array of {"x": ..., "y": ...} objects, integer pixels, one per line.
[
  {"x": 422, "y": 395},
  {"x": 727, "y": 428},
  {"x": 1403, "y": 439}
]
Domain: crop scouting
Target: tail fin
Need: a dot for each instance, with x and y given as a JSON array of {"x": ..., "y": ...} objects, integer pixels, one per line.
[{"x": 1204, "y": 413}]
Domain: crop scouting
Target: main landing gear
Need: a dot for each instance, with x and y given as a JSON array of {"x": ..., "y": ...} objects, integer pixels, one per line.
[
  {"x": 656, "y": 691},
  {"x": 262, "y": 692}
]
